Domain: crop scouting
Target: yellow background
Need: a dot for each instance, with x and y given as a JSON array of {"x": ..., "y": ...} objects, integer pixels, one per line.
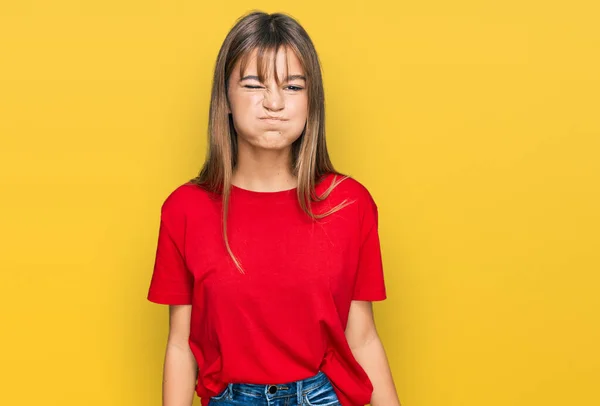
[{"x": 473, "y": 123}]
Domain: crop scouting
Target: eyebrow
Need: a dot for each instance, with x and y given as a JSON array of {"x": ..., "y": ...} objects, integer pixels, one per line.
[{"x": 289, "y": 78}]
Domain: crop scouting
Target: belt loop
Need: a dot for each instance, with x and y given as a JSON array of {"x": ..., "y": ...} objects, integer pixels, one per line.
[
  {"x": 230, "y": 388},
  {"x": 299, "y": 392}
]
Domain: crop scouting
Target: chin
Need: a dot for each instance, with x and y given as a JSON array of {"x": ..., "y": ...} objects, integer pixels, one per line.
[{"x": 271, "y": 140}]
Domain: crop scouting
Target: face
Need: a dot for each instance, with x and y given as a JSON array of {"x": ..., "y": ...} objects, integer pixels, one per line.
[{"x": 268, "y": 115}]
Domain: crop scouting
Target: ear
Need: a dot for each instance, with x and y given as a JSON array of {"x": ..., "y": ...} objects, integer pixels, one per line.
[
  {"x": 227, "y": 104},
  {"x": 227, "y": 97}
]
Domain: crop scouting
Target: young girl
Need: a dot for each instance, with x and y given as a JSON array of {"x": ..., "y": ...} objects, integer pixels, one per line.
[{"x": 270, "y": 259}]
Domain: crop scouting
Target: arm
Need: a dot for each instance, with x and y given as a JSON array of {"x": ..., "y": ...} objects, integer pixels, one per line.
[
  {"x": 180, "y": 368},
  {"x": 369, "y": 352}
]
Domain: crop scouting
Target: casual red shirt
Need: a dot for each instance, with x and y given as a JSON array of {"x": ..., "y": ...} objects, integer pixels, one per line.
[{"x": 284, "y": 319}]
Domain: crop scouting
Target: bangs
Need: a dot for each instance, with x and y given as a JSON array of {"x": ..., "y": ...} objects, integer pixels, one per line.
[{"x": 266, "y": 56}]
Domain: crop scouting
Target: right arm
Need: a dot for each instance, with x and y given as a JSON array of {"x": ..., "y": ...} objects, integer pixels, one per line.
[{"x": 180, "y": 367}]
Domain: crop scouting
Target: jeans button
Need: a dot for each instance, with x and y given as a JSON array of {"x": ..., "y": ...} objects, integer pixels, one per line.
[{"x": 272, "y": 389}]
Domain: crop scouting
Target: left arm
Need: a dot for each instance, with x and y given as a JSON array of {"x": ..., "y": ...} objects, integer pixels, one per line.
[{"x": 369, "y": 352}]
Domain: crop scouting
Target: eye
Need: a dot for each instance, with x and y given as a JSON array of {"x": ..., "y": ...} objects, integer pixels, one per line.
[
  {"x": 252, "y": 87},
  {"x": 295, "y": 88}
]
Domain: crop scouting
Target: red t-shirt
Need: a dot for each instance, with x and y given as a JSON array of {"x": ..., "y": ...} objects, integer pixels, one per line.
[{"x": 284, "y": 319}]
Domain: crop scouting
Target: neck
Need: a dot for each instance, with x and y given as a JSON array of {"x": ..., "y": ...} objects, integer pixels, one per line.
[{"x": 263, "y": 170}]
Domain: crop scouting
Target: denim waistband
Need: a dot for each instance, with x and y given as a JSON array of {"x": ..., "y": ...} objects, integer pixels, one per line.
[{"x": 271, "y": 391}]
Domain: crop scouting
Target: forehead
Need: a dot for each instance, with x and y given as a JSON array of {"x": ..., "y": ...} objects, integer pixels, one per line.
[{"x": 263, "y": 63}]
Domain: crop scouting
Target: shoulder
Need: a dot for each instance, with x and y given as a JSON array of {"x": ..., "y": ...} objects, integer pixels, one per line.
[
  {"x": 180, "y": 200},
  {"x": 348, "y": 187},
  {"x": 350, "y": 192}
]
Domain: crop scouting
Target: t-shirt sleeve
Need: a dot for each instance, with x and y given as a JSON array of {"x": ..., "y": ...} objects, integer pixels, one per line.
[
  {"x": 370, "y": 283},
  {"x": 171, "y": 282}
]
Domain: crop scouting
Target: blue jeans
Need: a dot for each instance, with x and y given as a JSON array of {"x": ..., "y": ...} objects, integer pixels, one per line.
[{"x": 313, "y": 391}]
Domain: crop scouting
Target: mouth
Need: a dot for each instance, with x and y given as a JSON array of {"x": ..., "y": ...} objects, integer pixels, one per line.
[{"x": 272, "y": 119}]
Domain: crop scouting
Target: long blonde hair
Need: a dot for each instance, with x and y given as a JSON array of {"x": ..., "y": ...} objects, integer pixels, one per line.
[{"x": 310, "y": 159}]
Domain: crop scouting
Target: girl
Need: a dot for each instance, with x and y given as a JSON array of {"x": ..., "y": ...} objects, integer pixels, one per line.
[{"x": 269, "y": 258}]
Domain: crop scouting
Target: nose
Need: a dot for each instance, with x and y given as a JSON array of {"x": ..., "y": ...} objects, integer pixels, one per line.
[{"x": 273, "y": 100}]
